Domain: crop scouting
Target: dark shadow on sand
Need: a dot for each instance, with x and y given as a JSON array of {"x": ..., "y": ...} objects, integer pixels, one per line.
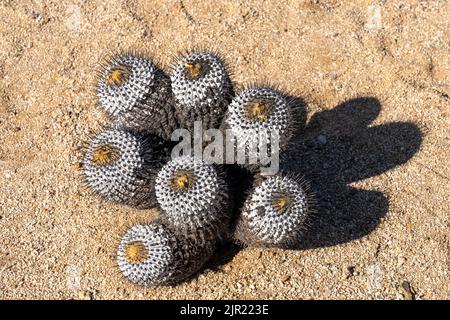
[
  {"x": 336, "y": 148},
  {"x": 339, "y": 147}
]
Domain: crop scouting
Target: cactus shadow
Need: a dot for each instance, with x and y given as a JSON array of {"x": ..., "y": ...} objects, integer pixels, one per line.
[
  {"x": 224, "y": 253},
  {"x": 339, "y": 147},
  {"x": 335, "y": 148}
]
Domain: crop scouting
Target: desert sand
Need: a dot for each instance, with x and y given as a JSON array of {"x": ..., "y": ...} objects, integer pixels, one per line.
[{"x": 375, "y": 144}]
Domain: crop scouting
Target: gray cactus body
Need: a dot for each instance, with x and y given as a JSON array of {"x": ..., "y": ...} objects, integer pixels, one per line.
[
  {"x": 202, "y": 89},
  {"x": 152, "y": 254},
  {"x": 136, "y": 93},
  {"x": 120, "y": 165},
  {"x": 194, "y": 198},
  {"x": 254, "y": 116},
  {"x": 274, "y": 213}
]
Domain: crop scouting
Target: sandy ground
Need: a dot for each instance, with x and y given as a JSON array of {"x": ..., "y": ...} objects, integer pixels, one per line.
[{"x": 375, "y": 77}]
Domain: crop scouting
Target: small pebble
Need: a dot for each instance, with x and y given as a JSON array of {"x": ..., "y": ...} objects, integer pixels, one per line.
[
  {"x": 8, "y": 174},
  {"x": 401, "y": 261},
  {"x": 85, "y": 295},
  {"x": 408, "y": 292},
  {"x": 322, "y": 139},
  {"x": 228, "y": 268},
  {"x": 351, "y": 271},
  {"x": 241, "y": 60}
]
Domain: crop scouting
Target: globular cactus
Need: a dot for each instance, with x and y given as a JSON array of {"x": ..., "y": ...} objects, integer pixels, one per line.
[
  {"x": 275, "y": 212},
  {"x": 151, "y": 254},
  {"x": 255, "y": 114},
  {"x": 136, "y": 93},
  {"x": 194, "y": 197},
  {"x": 202, "y": 89},
  {"x": 120, "y": 165}
]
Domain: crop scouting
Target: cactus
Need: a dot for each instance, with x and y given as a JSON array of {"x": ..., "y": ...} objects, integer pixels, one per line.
[
  {"x": 136, "y": 93},
  {"x": 120, "y": 165},
  {"x": 275, "y": 212},
  {"x": 151, "y": 254},
  {"x": 194, "y": 196},
  {"x": 258, "y": 111},
  {"x": 202, "y": 88}
]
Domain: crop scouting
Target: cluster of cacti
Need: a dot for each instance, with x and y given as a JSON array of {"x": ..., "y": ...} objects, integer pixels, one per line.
[{"x": 129, "y": 163}]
